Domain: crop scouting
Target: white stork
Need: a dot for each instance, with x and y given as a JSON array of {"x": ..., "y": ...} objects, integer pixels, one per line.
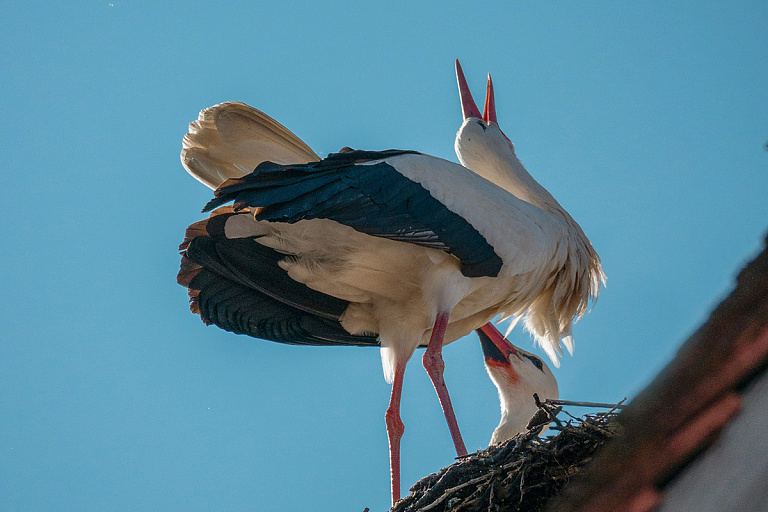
[
  {"x": 391, "y": 248},
  {"x": 553, "y": 291},
  {"x": 517, "y": 375}
]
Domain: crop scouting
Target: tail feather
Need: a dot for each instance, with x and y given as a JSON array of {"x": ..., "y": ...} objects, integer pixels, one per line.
[
  {"x": 230, "y": 139},
  {"x": 237, "y": 284}
]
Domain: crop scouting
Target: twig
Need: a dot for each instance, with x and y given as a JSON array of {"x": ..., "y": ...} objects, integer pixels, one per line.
[
  {"x": 454, "y": 489},
  {"x": 572, "y": 416},
  {"x": 613, "y": 407},
  {"x": 617, "y": 406}
]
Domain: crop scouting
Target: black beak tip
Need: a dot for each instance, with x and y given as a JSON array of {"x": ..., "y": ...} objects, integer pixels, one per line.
[{"x": 490, "y": 350}]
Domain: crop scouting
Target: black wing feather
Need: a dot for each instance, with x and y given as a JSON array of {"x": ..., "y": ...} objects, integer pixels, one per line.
[
  {"x": 237, "y": 285},
  {"x": 374, "y": 199}
]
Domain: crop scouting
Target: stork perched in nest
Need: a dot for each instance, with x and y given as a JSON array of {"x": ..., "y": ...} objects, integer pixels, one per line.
[{"x": 393, "y": 248}]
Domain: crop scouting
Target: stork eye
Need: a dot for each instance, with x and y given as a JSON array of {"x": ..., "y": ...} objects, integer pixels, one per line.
[
  {"x": 482, "y": 125},
  {"x": 536, "y": 362}
]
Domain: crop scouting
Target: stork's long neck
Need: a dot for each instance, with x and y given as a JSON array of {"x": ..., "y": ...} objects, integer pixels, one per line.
[
  {"x": 510, "y": 175},
  {"x": 491, "y": 155}
]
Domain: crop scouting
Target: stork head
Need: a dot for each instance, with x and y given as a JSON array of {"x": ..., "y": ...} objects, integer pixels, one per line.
[
  {"x": 480, "y": 134},
  {"x": 517, "y": 375},
  {"x": 484, "y": 149}
]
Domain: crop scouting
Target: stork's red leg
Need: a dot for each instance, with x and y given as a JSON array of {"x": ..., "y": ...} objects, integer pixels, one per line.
[
  {"x": 395, "y": 431},
  {"x": 433, "y": 363}
]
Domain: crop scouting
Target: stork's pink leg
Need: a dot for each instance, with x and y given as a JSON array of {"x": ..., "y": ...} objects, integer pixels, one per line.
[
  {"x": 433, "y": 363},
  {"x": 395, "y": 431}
]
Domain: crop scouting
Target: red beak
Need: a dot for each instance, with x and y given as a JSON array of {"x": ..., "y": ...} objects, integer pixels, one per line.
[
  {"x": 468, "y": 106},
  {"x": 496, "y": 348},
  {"x": 489, "y": 113}
]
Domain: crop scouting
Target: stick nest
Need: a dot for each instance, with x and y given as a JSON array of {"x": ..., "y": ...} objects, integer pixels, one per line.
[{"x": 521, "y": 474}]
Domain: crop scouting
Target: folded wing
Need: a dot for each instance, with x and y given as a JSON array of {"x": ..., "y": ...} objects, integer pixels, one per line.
[{"x": 360, "y": 189}]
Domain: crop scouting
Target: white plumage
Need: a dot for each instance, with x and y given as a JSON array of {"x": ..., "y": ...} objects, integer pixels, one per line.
[
  {"x": 568, "y": 272},
  {"x": 517, "y": 375}
]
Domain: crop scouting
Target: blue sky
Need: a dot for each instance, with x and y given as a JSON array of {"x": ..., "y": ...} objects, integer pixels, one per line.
[{"x": 646, "y": 121}]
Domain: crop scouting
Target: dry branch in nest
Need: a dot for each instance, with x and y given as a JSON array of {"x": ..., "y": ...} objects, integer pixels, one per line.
[{"x": 521, "y": 474}]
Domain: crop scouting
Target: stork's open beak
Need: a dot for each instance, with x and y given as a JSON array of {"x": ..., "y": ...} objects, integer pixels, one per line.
[
  {"x": 468, "y": 106},
  {"x": 496, "y": 348}
]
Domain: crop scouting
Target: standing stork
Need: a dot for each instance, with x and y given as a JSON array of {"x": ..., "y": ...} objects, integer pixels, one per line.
[
  {"x": 568, "y": 272},
  {"x": 380, "y": 248}
]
